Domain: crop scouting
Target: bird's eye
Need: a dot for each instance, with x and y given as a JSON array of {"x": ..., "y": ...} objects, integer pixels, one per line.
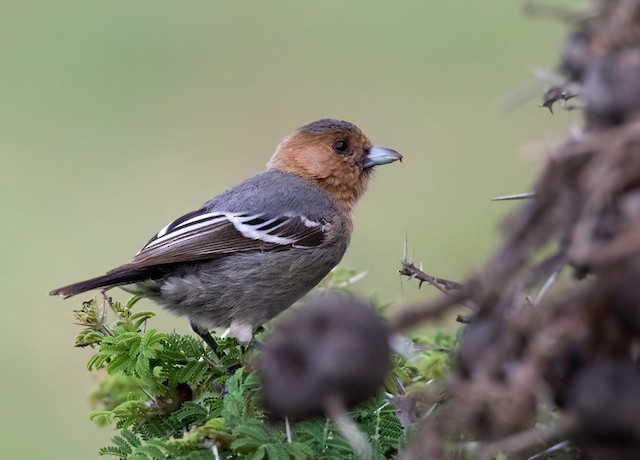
[{"x": 340, "y": 146}]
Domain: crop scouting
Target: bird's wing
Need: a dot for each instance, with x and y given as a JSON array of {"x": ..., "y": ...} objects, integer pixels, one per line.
[{"x": 206, "y": 234}]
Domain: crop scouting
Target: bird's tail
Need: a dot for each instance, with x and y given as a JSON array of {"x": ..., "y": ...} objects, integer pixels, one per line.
[{"x": 117, "y": 277}]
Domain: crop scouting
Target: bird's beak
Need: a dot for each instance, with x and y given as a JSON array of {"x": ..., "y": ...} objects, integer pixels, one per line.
[{"x": 380, "y": 156}]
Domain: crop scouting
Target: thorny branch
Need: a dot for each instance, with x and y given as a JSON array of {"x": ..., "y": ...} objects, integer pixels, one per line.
[
  {"x": 443, "y": 285},
  {"x": 572, "y": 350}
]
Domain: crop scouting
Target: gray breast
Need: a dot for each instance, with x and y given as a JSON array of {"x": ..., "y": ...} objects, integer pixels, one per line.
[{"x": 248, "y": 288}]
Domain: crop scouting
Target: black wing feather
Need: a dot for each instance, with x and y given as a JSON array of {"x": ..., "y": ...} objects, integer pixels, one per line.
[{"x": 202, "y": 235}]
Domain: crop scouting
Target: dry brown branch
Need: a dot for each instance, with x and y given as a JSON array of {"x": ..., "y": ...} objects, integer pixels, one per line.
[
  {"x": 524, "y": 441},
  {"x": 519, "y": 357},
  {"x": 411, "y": 315},
  {"x": 443, "y": 285}
]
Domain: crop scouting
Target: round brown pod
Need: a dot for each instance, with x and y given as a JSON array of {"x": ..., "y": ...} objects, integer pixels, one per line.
[{"x": 334, "y": 347}]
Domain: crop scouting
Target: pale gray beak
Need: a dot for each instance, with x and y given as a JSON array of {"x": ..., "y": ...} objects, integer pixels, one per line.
[{"x": 380, "y": 156}]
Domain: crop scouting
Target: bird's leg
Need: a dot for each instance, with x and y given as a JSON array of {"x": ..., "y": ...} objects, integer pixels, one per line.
[{"x": 206, "y": 336}]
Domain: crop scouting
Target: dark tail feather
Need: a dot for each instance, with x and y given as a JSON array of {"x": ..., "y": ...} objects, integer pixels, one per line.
[{"x": 114, "y": 278}]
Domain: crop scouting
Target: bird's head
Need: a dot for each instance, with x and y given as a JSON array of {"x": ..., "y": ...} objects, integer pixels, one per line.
[{"x": 334, "y": 154}]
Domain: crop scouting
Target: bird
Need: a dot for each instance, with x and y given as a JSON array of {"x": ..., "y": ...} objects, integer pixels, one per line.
[{"x": 251, "y": 252}]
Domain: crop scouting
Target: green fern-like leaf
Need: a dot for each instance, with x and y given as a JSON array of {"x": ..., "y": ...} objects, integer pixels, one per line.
[
  {"x": 102, "y": 417},
  {"x": 124, "y": 444},
  {"x": 132, "y": 412},
  {"x": 115, "y": 452},
  {"x": 237, "y": 406},
  {"x": 153, "y": 427},
  {"x": 324, "y": 439},
  {"x": 252, "y": 434},
  {"x": 190, "y": 413},
  {"x": 270, "y": 452},
  {"x": 193, "y": 371},
  {"x": 165, "y": 392},
  {"x": 131, "y": 438}
]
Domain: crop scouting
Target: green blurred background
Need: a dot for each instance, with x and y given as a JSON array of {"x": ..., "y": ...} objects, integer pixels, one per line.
[{"x": 118, "y": 116}]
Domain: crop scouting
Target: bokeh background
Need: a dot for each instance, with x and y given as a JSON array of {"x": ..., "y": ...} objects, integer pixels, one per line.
[{"x": 118, "y": 116}]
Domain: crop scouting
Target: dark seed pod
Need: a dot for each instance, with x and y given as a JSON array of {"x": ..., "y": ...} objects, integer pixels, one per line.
[
  {"x": 625, "y": 297},
  {"x": 611, "y": 90},
  {"x": 335, "y": 347},
  {"x": 577, "y": 55},
  {"x": 606, "y": 401},
  {"x": 174, "y": 401},
  {"x": 479, "y": 338}
]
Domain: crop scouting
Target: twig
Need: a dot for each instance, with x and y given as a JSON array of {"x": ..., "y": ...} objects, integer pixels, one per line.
[
  {"x": 337, "y": 411},
  {"x": 525, "y": 440},
  {"x": 412, "y": 315},
  {"x": 561, "y": 445},
  {"x": 443, "y": 285}
]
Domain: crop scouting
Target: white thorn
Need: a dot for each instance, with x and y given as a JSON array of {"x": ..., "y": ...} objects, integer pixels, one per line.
[
  {"x": 517, "y": 196},
  {"x": 287, "y": 428}
]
